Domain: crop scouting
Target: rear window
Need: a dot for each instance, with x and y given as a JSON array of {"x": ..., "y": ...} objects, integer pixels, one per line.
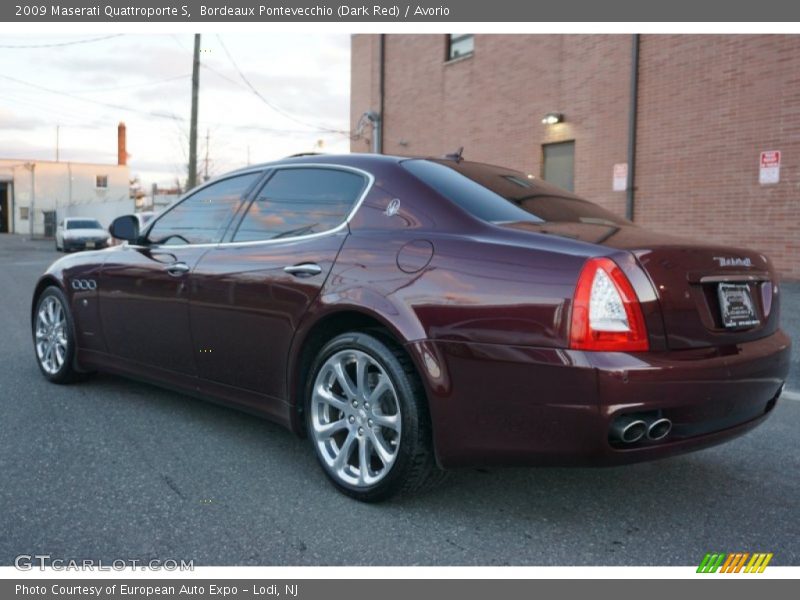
[
  {"x": 83, "y": 224},
  {"x": 499, "y": 195}
]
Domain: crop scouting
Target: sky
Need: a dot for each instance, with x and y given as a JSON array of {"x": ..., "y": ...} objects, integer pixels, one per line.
[{"x": 262, "y": 97}]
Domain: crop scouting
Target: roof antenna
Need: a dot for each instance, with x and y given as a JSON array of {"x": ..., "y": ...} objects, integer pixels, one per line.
[{"x": 456, "y": 156}]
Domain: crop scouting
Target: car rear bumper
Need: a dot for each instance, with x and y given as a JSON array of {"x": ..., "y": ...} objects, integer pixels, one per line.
[
  {"x": 494, "y": 404},
  {"x": 84, "y": 245}
]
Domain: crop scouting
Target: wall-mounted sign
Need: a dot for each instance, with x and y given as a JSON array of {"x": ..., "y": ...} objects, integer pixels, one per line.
[
  {"x": 769, "y": 167},
  {"x": 620, "y": 180}
]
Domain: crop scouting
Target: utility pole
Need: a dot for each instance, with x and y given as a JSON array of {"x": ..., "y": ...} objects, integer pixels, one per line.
[
  {"x": 30, "y": 166},
  {"x": 192, "y": 179},
  {"x": 205, "y": 166},
  {"x": 58, "y": 128}
]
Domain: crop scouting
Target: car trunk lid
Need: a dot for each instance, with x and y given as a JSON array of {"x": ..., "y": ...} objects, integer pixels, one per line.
[{"x": 710, "y": 295}]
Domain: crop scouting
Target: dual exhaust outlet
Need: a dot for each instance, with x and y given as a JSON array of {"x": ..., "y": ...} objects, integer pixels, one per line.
[{"x": 629, "y": 429}]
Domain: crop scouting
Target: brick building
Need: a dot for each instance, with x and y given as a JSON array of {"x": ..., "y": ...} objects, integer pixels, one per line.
[{"x": 707, "y": 106}]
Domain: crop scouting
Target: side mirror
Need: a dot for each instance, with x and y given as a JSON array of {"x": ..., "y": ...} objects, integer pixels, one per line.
[{"x": 125, "y": 228}]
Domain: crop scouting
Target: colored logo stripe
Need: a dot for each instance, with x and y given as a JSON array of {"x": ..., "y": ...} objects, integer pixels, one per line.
[{"x": 734, "y": 562}]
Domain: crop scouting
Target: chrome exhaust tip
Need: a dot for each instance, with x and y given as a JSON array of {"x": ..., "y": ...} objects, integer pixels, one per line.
[
  {"x": 659, "y": 429},
  {"x": 628, "y": 429}
]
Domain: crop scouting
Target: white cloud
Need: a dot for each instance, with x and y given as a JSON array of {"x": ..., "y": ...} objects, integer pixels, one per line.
[{"x": 123, "y": 79}]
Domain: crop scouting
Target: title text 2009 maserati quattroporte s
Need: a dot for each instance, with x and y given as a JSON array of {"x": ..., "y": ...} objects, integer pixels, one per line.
[{"x": 414, "y": 315}]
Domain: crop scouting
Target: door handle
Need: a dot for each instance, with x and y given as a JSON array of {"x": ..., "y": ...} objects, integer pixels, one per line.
[
  {"x": 177, "y": 269},
  {"x": 303, "y": 269}
]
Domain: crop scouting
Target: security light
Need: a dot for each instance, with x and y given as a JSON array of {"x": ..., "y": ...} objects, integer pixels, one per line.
[{"x": 552, "y": 118}]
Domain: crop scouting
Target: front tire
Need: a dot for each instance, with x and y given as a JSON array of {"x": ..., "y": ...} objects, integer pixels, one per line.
[
  {"x": 54, "y": 337},
  {"x": 367, "y": 418}
]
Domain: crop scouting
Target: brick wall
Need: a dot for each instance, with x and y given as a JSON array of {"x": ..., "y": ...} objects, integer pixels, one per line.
[{"x": 707, "y": 106}]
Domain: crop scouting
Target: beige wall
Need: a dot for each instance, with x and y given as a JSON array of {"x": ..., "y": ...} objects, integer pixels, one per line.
[{"x": 68, "y": 188}]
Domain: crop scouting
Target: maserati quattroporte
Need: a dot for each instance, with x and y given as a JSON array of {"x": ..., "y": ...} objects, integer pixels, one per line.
[{"x": 412, "y": 315}]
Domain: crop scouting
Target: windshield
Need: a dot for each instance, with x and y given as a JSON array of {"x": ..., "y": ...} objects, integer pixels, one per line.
[
  {"x": 83, "y": 224},
  {"x": 500, "y": 195}
]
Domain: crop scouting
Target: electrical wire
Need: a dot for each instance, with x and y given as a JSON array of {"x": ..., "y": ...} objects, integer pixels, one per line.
[
  {"x": 277, "y": 109},
  {"x": 130, "y": 86},
  {"x": 60, "y": 44},
  {"x": 159, "y": 115}
]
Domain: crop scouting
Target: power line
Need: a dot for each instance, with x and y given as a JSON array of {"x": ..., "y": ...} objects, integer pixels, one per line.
[
  {"x": 223, "y": 76},
  {"x": 130, "y": 86},
  {"x": 60, "y": 44},
  {"x": 81, "y": 98},
  {"x": 158, "y": 115},
  {"x": 277, "y": 109}
]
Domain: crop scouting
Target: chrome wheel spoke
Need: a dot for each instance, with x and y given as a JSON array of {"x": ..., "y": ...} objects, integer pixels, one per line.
[
  {"x": 344, "y": 380},
  {"x": 48, "y": 357},
  {"x": 389, "y": 421},
  {"x": 58, "y": 354},
  {"x": 384, "y": 454},
  {"x": 381, "y": 387},
  {"x": 362, "y": 387},
  {"x": 363, "y": 460},
  {"x": 325, "y": 396},
  {"x": 326, "y": 430},
  {"x": 344, "y": 452}
]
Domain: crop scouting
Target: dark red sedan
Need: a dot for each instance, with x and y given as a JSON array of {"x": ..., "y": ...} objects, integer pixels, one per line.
[{"x": 413, "y": 315}]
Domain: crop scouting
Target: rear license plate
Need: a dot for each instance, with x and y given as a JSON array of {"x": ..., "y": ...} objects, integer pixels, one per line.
[
  {"x": 736, "y": 305},
  {"x": 90, "y": 244}
]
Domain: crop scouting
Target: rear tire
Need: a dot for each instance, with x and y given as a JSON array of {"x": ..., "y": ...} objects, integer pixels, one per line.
[{"x": 367, "y": 418}]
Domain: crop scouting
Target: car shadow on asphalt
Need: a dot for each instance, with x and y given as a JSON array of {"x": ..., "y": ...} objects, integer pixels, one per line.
[{"x": 557, "y": 490}]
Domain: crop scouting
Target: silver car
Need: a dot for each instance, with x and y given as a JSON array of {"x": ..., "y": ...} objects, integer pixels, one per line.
[{"x": 79, "y": 233}]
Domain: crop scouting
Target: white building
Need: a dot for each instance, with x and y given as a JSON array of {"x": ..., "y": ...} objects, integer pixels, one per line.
[{"x": 37, "y": 194}]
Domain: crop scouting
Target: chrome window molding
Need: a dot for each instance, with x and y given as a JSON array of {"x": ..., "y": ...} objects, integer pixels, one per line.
[{"x": 275, "y": 167}]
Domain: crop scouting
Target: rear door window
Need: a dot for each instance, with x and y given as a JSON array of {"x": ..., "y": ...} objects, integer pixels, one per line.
[{"x": 301, "y": 201}]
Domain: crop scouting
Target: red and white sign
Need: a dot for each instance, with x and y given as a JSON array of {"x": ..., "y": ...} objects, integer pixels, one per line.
[
  {"x": 620, "y": 181},
  {"x": 770, "y": 167}
]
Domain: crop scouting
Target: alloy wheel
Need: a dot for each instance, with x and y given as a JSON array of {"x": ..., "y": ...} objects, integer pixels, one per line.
[
  {"x": 51, "y": 335},
  {"x": 355, "y": 418}
]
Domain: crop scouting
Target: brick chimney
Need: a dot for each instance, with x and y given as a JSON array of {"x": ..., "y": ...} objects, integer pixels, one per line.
[{"x": 122, "y": 152}]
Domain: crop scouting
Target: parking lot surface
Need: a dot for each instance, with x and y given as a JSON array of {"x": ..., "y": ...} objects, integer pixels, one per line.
[{"x": 115, "y": 469}]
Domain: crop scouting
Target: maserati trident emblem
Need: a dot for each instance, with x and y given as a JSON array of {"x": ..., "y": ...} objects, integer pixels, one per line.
[
  {"x": 393, "y": 208},
  {"x": 733, "y": 261}
]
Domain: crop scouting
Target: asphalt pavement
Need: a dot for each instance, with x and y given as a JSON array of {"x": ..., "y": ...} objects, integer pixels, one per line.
[{"x": 114, "y": 469}]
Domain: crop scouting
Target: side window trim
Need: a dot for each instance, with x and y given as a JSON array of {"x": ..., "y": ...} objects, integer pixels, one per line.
[
  {"x": 368, "y": 182},
  {"x": 246, "y": 197}
]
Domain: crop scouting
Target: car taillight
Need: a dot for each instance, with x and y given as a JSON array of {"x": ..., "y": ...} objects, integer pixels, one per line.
[{"x": 606, "y": 314}]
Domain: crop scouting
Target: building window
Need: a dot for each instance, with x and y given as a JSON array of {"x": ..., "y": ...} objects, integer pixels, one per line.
[
  {"x": 460, "y": 45},
  {"x": 101, "y": 181},
  {"x": 23, "y": 213},
  {"x": 558, "y": 164}
]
